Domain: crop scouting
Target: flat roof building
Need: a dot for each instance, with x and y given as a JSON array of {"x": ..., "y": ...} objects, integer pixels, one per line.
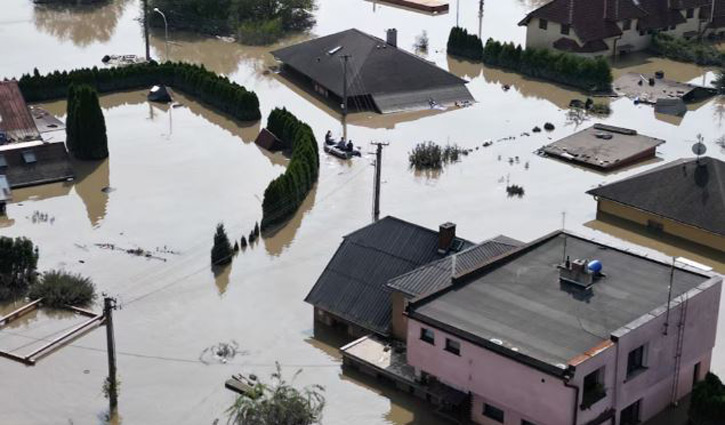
[
  {"x": 683, "y": 198},
  {"x": 567, "y": 331},
  {"x": 380, "y": 76},
  {"x": 604, "y": 147}
]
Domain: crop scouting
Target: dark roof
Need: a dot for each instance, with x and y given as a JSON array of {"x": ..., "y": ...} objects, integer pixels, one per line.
[
  {"x": 587, "y": 17},
  {"x": 267, "y": 140},
  {"x": 15, "y": 118},
  {"x": 719, "y": 19},
  {"x": 439, "y": 274},
  {"x": 680, "y": 190},
  {"x": 659, "y": 15},
  {"x": 569, "y": 45},
  {"x": 51, "y": 163},
  {"x": 519, "y": 307},
  {"x": 353, "y": 285},
  {"x": 374, "y": 67}
]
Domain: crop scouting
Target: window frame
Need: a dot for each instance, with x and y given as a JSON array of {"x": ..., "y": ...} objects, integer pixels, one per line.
[
  {"x": 593, "y": 392},
  {"x": 543, "y": 24},
  {"x": 637, "y": 417},
  {"x": 640, "y": 361},
  {"x": 565, "y": 29},
  {"x": 690, "y": 13},
  {"x": 626, "y": 25},
  {"x": 492, "y": 412},
  {"x": 453, "y": 350},
  {"x": 423, "y": 336}
]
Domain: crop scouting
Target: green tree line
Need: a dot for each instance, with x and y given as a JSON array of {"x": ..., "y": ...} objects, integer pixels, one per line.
[
  {"x": 683, "y": 50},
  {"x": 593, "y": 74},
  {"x": 194, "y": 80},
  {"x": 252, "y": 21},
  {"x": 287, "y": 192}
]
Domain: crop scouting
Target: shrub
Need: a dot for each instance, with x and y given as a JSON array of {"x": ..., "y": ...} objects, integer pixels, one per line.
[
  {"x": 680, "y": 49},
  {"x": 85, "y": 126},
  {"x": 430, "y": 156},
  {"x": 287, "y": 192},
  {"x": 707, "y": 406},
  {"x": 18, "y": 263},
  {"x": 222, "y": 251},
  {"x": 463, "y": 44},
  {"x": 215, "y": 90},
  {"x": 561, "y": 67},
  {"x": 58, "y": 288},
  {"x": 258, "y": 33}
]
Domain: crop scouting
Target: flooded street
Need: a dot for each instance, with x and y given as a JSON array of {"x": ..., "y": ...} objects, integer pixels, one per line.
[{"x": 174, "y": 173}]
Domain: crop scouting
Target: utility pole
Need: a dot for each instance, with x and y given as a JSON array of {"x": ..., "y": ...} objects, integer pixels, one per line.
[
  {"x": 146, "y": 29},
  {"x": 345, "y": 58},
  {"x": 109, "y": 304},
  {"x": 378, "y": 171},
  {"x": 480, "y": 17},
  {"x": 458, "y": 12}
]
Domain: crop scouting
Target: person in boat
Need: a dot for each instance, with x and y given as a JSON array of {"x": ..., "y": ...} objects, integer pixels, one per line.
[
  {"x": 328, "y": 138},
  {"x": 349, "y": 146},
  {"x": 341, "y": 144}
]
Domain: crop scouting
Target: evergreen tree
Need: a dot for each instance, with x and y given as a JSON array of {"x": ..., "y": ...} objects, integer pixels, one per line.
[
  {"x": 18, "y": 262},
  {"x": 86, "y": 127},
  {"x": 221, "y": 252}
]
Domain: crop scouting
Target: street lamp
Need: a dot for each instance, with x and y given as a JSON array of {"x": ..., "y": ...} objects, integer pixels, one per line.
[{"x": 166, "y": 30}]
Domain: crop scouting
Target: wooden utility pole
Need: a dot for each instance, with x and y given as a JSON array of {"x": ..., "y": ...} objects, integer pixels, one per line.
[
  {"x": 378, "y": 172},
  {"x": 109, "y": 304},
  {"x": 146, "y": 28},
  {"x": 345, "y": 58}
]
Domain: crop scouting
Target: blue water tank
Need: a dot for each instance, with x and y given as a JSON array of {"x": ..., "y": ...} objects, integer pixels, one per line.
[{"x": 595, "y": 266}]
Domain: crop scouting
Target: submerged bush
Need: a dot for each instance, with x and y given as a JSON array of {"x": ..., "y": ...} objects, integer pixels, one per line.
[
  {"x": 708, "y": 402},
  {"x": 684, "y": 50},
  {"x": 430, "y": 156},
  {"x": 18, "y": 262},
  {"x": 221, "y": 251},
  {"x": 58, "y": 288},
  {"x": 463, "y": 44}
]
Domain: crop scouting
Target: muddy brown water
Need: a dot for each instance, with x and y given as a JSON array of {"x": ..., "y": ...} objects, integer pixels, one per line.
[{"x": 173, "y": 173}]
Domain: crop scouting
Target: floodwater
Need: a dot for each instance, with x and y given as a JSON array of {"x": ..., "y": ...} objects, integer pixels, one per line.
[{"x": 173, "y": 173}]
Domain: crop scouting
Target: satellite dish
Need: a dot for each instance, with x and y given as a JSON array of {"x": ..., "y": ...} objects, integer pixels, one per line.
[{"x": 699, "y": 148}]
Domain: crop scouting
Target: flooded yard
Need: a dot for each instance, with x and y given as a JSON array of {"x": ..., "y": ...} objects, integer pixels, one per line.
[{"x": 174, "y": 173}]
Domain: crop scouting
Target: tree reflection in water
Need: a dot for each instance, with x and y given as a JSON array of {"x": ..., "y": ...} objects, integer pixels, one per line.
[{"x": 80, "y": 24}]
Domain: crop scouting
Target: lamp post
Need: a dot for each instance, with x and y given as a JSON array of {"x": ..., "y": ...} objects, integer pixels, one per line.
[{"x": 166, "y": 30}]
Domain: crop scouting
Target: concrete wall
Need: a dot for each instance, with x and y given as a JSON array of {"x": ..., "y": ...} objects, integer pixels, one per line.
[
  {"x": 671, "y": 227},
  {"x": 520, "y": 391},
  {"x": 523, "y": 392}
]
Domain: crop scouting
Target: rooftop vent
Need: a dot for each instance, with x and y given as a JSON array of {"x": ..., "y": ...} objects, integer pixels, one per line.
[
  {"x": 581, "y": 273},
  {"x": 335, "y": 50},
  {"x": 29, "y": 157}
]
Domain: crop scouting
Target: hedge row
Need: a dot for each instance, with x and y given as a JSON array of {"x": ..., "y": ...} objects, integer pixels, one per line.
[
  {"x": 463, "y": 44},
  {"x": 194, "y": 80},
  {"x": 561, "y": 67},
  {"x": 683, "y": 50},
  {"x": 287, "y": 192}
]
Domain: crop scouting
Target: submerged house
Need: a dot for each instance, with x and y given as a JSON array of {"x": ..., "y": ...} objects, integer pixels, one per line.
[
  {"x": 25, "y": 158},
  {"x": 612, "y": 27},
  {"x": 566, "y": 331},
  {"x": 373, "y": 74},
  {"x": 683, "y": 198}
]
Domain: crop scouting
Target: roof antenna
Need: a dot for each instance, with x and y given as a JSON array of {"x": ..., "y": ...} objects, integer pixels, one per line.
[
  {"x": 563, "y": 230},
  {"x": 669, "y": 296},
  {"x": 699, "y": 148}
]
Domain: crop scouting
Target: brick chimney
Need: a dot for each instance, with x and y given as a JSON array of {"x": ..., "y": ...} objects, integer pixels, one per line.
[
  {"x": 392, "y": 37},
  {"x": 446, "y": 235}
]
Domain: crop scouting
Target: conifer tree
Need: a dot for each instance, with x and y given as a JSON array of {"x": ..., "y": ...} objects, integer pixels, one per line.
[{"x": 221, "y": 252}]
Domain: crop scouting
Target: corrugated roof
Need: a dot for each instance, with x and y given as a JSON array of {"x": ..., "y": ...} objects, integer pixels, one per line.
[
  {"x": 680, "y": 190},
  {"x": 438, "y": 274},
  {"x": 421, "y": 99},
  {"x": 15, "y": 118},
  {"x": 354, "y": 287},
  {"x": 374, "y": 67},
  {"x": 518, "y": 305}
]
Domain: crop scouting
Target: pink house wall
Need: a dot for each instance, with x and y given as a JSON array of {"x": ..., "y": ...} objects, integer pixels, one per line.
[
  {"x": 521, "y": 391},
  {"x": 525, "y": 393}
]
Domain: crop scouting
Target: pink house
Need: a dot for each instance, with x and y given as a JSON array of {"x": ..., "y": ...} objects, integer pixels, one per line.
[{"x": 567, "y": 331}]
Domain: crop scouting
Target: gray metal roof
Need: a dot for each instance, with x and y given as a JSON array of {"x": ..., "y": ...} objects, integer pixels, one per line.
[
  {"x": 421, "y": 99},
  {"x": 374, "y": 67},
  {"x": 519, "y": 307},
  {"x": 38, "y": 164},
  {"x": 439, "y": 274},
  {"x": 354, "y": 287},
  {"x": 680, "y": 190}
]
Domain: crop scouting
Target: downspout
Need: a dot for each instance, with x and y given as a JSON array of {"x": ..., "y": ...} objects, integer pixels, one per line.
[
  {"x": 576, "y": 399},
  {"x": 614, "y": 47}
]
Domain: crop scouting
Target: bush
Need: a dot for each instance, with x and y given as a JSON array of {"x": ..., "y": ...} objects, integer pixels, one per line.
[
  {"x": 430, "y": 156},
  {"x": 564, "y": 68},
  {"x": 708, "y": 402},
  {"x": 215, "y": 90},
  {"x": 58, "y": 288},
  {"x": 18, "y": 263},
  {"x": 259, "y": 33},
  {"x": 287, "y": 192},
  {"x": 222, "y": 251},
  {"x": 463, "y": 44},
  {"x": 85, "y": 126},
  {"x": 683, "y": 50}
]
